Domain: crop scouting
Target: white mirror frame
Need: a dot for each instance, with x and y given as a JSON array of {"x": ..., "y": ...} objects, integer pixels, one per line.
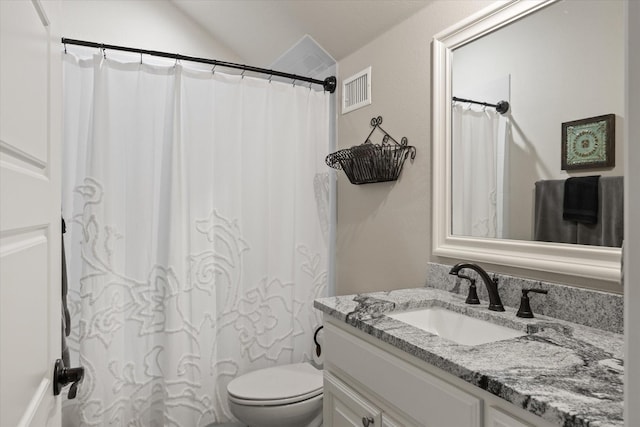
[{"x": 595, "y": 262}]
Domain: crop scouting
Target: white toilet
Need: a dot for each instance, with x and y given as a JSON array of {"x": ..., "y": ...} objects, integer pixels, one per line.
[{"x": 282, "y": 396}]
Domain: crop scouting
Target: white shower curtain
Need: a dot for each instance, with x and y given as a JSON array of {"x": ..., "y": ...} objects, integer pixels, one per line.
[
  {"x": 197, "y": 206},
  {"x": 479, "y": 154}
]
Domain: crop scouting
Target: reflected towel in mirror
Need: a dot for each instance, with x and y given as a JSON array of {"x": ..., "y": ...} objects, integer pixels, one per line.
[{"x": 549, "y": 225}]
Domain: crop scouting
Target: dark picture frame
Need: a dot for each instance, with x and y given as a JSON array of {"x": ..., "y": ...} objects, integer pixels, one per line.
[{"x": 589, "y": 143}]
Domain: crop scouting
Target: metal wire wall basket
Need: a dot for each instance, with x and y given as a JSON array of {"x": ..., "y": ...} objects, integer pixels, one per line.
[{"x": 368, "y": 163}]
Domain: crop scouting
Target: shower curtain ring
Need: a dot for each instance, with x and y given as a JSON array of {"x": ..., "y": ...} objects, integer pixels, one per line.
[
  {"x": 242, "y": 74},
  {"x": 294, "y": 82},
  {"x": 104, "y": 51},
  {"x": 270, "y": 77},
  {"x": 140, "y": 58},
  {"x": 65, "y": 48},
  {"x": 213, "y": 70}
]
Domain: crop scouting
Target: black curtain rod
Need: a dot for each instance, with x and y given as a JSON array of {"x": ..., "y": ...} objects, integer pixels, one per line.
[
  {"x": 501, "y": 107},
  {"x": 329, "y": 84}
]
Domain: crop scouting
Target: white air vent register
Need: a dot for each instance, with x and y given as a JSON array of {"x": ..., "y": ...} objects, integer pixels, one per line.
[{"x": 356, "y": 91}]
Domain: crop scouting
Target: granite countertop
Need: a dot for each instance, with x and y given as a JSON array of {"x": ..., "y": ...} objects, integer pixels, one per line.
[{"x": 566, "y": 373}]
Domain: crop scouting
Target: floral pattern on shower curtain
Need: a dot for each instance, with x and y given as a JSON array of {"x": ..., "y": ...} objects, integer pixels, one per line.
[{"x": 197, "y": 206}]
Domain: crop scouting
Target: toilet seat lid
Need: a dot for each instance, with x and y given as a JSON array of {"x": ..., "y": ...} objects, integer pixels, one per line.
[{"x": 277, "y": 383}]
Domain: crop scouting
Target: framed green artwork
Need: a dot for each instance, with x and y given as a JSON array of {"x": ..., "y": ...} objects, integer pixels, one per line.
[{"x": 589, "y": 143}]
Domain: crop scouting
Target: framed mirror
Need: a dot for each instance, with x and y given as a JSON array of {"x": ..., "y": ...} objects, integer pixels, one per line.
[{"x": 533, "y": 76}]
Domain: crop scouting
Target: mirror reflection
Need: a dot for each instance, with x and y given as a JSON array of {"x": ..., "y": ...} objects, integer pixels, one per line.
[{"x": 522, "y": 174}]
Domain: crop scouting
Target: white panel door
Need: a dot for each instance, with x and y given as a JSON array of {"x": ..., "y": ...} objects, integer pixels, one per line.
[
  {"x": 30, "y": 322},
  {"x": 631, "y": 215}
]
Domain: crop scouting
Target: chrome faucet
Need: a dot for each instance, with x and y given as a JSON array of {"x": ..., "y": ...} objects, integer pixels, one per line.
[{"x": 495, "y": 303}]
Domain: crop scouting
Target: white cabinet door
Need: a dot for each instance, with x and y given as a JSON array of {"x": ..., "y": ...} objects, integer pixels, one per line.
[
  {"x": 498, "y": 418},
  {"x": 343, "y": 407},
  {"x": 30, "y": 319}
]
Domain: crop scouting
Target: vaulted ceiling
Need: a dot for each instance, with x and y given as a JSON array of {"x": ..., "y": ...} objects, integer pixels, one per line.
[{"x": 260, "y": 31}]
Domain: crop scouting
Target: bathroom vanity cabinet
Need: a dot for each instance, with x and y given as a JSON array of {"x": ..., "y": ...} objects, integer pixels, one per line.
[
  {"x": 371, "y": 383},
  {"x": 343, "y": 406}
]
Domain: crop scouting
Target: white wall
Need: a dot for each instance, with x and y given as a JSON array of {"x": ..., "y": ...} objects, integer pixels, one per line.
[
  {"x": 144, "y": 24},
  {"x": 383, "y": 229},
  {"x": 581, "y": 76},
  {"x": 632, "y": 231}
]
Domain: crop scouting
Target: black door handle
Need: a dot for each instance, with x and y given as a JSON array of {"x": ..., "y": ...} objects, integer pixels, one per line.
[{"x": 63, "y": 376}]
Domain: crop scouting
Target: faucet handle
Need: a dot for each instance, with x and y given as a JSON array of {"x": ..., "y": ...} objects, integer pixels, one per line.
[
  {"x": 472, "y": 297},
  {"x": 525, "y": 307}
]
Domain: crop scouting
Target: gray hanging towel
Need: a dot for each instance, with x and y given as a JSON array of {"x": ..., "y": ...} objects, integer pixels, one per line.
[
  {"x": 66, "y": 317},
  {"x": 581, "y": 199},
  {"x": 609, "y": 231},
  {"x": 548, "y": 223}
]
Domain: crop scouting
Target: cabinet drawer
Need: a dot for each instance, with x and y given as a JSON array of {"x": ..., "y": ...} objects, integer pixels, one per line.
[{"x": 420, "y": 395}]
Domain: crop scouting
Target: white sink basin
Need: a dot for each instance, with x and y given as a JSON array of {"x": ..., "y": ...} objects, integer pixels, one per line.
[{"x": 456, "y": 327}]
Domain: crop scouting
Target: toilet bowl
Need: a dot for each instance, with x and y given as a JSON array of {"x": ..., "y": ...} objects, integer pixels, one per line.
[{"x": 282, "y": 396}]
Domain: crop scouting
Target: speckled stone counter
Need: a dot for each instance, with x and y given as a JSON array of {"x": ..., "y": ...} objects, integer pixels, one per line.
[
  {"x": 602, "y": 310},
  {"x": 566, "y": 373}
]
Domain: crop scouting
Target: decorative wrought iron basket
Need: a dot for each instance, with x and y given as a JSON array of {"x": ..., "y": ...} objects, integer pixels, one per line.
[{"x": 368, "y": 163}]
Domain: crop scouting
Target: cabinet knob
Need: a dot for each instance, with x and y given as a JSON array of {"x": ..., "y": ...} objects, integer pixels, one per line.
[{"x": 367, "y": 421}]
